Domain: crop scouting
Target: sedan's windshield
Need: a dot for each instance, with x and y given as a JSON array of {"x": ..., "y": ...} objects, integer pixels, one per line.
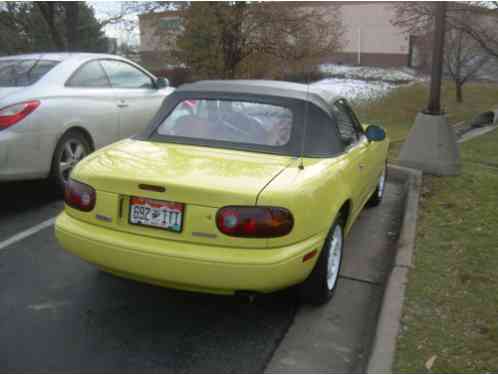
[
  {"x": 23, "y": 72},
  {"x": 229, "y": 121}
]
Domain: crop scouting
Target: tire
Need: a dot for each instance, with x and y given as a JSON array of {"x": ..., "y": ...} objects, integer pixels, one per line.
[
  {"x": 71, "y": 148},
  {"x": 321, "y": 284},
  {"x": 378, "y": 194}
]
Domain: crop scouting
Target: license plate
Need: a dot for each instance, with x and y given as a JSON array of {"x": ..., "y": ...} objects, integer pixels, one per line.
[{"x": 158, "y": 214}]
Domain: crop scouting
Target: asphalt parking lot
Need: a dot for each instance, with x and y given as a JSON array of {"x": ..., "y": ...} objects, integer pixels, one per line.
[{"x": 59, "y": 314}]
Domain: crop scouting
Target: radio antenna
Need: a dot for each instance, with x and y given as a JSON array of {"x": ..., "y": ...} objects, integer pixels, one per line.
[{"x": 305, "y": 124}]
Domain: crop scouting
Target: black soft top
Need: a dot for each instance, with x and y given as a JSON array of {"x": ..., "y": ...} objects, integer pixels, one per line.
[
  {"x": 309, "y": 104},
  {"x": 280, "y": 89}
]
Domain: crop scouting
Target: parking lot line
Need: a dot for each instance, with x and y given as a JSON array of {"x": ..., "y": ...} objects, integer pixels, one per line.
[{"x": 26, "y": 233}]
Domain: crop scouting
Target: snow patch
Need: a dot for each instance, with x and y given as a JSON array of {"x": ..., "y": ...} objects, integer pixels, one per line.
[
  {"x": 356, "y": 90},
  {"x": 364, "y": 83},
  {"x": 369, "y": 73}
]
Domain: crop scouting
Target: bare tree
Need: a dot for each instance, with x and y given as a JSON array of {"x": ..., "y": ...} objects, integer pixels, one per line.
[
  {"x": 218, "y": 37},
  {"x": 484, "y": 32},
  {"x": 416, "y": 18},
  {"x": 469, "y": 27},
  {"x": 463, "y": 59}
]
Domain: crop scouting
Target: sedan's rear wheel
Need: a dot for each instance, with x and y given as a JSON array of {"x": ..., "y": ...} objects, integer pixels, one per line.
[
  {"x": 71, "y": 148},
  {"x": 320, "y": 286}
]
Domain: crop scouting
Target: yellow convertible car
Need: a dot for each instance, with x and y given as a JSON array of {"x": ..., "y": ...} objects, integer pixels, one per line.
[{"x": 235, "y": 186}]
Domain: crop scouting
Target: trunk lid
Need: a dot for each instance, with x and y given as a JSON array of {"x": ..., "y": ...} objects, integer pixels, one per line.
[
  {"x": 190, "y": 174},
  {"x": 202, "y": 178}
]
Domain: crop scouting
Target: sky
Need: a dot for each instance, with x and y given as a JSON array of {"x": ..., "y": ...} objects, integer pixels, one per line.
[{"x": 106, "y": 9}]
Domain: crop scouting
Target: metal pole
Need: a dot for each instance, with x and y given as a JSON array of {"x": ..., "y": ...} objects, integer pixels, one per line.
[
  {"x": 359, "y": 45},
  {"x": 434, "y": 107}
]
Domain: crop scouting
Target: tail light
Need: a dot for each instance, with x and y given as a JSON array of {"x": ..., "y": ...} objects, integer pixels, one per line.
[
  {"x": 79, "y": 196},
  {"x": 255, "y": 222},
  {"x": 12, "y": 114}
]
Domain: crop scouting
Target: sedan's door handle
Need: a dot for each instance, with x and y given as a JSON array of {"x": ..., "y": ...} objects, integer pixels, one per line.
[
  {"x": 122, "y": 104},
  {"x": 362, "y": 165}
]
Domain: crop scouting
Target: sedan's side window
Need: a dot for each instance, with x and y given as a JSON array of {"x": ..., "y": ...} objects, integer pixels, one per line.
[
  {"x": 89, "y": 75},
  {"x": 345, "y": 123},
  {"x": 123, "y": 75}
]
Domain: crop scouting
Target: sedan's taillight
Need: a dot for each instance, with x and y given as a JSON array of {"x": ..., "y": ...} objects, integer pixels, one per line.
[
  {"x": 256, "y": 222},
  {"x": 12, "y": 114},
  {"x": 79, "y": 196}
]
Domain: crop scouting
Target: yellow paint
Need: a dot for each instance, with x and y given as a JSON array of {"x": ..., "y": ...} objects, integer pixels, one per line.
[{"x": 206, "y": 179}]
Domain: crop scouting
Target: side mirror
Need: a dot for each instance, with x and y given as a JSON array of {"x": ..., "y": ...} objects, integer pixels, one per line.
[
  {"x": 375, "y": 133},
  {"x": 162, "y": 83}
]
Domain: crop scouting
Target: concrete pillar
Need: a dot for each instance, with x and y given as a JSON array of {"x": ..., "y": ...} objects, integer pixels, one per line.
[{"x": 431, "y": 146}]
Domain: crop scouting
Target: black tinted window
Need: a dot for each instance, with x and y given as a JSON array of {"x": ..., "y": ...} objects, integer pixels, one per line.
[
  {"x": 123, "y": 75},
  {"x": 14, "y": 73},
  {"x": 345, "y": 123},
  {"x": 89, "y": 75},
  {"x": 321, "y": 134}
]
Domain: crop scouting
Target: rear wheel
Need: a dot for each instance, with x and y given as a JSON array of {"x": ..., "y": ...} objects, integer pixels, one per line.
[
  {"x": 320, "y": 285},
  {"x": 72, "y": 147}
]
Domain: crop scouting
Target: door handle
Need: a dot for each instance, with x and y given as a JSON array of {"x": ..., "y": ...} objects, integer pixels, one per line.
[
  {"x": 122, "y": 104},
  {"x": 362, "y": 165}
]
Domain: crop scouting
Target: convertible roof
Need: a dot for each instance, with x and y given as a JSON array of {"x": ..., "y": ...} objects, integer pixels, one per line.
[
  {"x": 57, "y": 56},
  {"x": 282, "y": 89},
  {"x": 320, "y": 136}
]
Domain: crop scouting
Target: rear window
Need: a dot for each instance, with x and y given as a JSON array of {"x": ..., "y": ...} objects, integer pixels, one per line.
[
  {"x": 239, "y": 122},
  {"x": 16, "y": 72}
]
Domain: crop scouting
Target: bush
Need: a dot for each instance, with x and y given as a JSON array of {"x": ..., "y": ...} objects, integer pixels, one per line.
[
  {"x": 304, "y": 76},
  {"x": 261, "y": 68},
  {"x": 176, "y": 76}
]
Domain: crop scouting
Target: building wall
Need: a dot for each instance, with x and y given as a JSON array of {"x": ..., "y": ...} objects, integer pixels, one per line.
[
  {"x": 368, "y": 30},
  {"x": 370, "y": 38},
  {"x": 158, "y": 33},
  {"x": 385, "y": 60}
]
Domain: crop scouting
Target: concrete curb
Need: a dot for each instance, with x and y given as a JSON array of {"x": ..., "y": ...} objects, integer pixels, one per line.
[
  {"x": 477, "y": 132},
  {"x": 388, "y": 323}
]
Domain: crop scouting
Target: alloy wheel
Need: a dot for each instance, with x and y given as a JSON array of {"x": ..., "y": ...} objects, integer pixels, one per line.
[
  {"x": 74, "y": 150},
  {"x": 382, "y": 184},
  {"x": 334, "y": 259}
]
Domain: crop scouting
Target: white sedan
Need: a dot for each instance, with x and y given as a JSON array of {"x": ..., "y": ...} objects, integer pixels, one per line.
[{"x": 57, "y": 108}]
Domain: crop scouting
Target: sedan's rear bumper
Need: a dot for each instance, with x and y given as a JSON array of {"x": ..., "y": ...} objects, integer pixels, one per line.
[
  {"x": 23, "y": 155},
  {"x": 201, "y": 269}
]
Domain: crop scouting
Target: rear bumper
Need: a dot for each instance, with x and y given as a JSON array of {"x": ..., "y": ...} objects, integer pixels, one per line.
[{"x": 200, "y": 268}]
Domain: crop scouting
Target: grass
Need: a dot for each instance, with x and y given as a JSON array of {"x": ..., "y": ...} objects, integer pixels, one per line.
[
  {"x": 451, "y": 306},
  {"x": 450, "y": 312},
  {"x": 483, "y": 149},
  {"x": 397, "y": 111}
]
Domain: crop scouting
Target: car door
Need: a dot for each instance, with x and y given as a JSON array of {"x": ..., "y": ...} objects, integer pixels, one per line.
[
  {"x": 374, "y": 161},
  {"x": 139, "y": 99},
  {"x": 356, "y": 146},
  {"x": 90, "y": 102}
]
